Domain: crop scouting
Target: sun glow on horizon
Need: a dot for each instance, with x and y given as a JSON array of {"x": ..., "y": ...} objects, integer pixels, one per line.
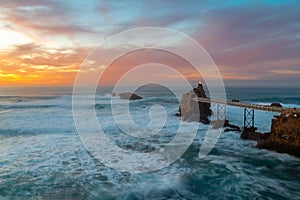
[{"x": 43, "y": 43}]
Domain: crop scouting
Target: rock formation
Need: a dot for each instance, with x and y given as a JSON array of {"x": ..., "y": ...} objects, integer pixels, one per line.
[
  {"x": 192, "y": 110},
  {"x": 276, "y": 104},
  {"x": 129, "y": 96},
  {"x": 230, "y": 127},
  {"x": 284, "y": 136},
  {"x": 285, "y": 130},
  {"x": 285, "y": 133}
]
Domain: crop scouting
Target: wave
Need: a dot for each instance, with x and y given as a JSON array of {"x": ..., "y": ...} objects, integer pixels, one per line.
[
  {"x": 105, "y": 102},
  {"x": 10, "y": 107},
  {"x": 26, "y": 98},
  {"x": 233, "y": 168},
  {"x": 16, "y": 131},
  {"x": 99, "y": 106}
]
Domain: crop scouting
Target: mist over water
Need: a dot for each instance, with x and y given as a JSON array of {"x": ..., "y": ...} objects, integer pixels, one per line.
[{"x": 41, "y": 155}]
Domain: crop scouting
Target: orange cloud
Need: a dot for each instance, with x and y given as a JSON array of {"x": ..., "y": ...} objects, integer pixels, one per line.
[{"x": 32, "y": 64}]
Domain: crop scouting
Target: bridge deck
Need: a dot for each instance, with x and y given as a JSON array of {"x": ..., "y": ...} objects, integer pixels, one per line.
[{"x": 243, "y": 105}]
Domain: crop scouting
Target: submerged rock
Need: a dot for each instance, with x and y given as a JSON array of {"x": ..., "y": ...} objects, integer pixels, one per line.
[
  {"x": 192, "y": 110},
  {"x": 130, "y": 96}
]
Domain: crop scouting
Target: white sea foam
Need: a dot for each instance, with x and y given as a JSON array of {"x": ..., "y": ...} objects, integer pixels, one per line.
[{"x": 41, "y": 152}]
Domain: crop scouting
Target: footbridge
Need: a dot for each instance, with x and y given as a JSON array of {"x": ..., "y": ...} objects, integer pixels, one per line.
[{"x": 249, "y": 109}]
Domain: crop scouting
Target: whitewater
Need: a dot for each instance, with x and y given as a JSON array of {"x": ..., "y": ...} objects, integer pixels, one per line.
[{"x": 42, "y": 156}]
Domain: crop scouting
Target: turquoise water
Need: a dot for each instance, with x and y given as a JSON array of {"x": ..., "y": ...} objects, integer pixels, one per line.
[{"x": 42, "y": 157}]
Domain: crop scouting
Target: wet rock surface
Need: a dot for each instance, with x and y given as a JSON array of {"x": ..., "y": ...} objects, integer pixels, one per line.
[
  {"x": 284, "y": 136},
  {"x": 251, "y": 134},
  {"x": 192, "y": 110},
  {"x": 285, "y": 133},
  {"x": 231, "y": 127}
]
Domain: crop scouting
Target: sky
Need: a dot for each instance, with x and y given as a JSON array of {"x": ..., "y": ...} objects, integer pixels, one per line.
[{"x": 255, "y": 43}]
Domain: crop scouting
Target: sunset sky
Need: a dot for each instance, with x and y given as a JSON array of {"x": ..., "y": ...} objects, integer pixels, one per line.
[{"x": 252, "y": 42}]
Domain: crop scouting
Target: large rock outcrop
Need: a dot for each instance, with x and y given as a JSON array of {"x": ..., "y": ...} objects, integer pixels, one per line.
[
  {"x": 192, "y": 110},
  {"x": 285, "y": 133},
  {"x": 284, "y": 136}
]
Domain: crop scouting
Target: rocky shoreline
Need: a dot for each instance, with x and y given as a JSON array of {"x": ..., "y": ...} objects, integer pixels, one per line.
[{"x": 284, "y": 136}]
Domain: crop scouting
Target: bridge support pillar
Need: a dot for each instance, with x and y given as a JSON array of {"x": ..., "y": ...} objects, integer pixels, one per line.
[
  {"x": 248, "y": 118},
  {"x": 248, "y": 123},
  {"x": 221, "y": 112},
  {"x": 219, "y": 116}
]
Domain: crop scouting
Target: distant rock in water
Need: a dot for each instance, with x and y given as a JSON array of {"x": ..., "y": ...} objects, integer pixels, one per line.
[
  {"x": 192, "y": 110},
  {"x": 276, "y": 104},
  {"x": 114, "y": 94},
  {"x": 130, "y": 96}
]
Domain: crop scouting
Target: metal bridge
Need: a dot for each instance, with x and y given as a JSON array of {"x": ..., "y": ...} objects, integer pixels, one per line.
[
  {"x": 243, "y": 105},
  {"x": 248, "y": 110}
]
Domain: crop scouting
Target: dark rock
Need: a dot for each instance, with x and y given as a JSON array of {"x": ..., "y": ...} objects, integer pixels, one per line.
[
  {"x": 114, "y": 94},
  {"x": 232, "y": 126},
  {"x": 130, "y": 96},
  {"x": 177, "y": 114},
  {"x": 284, "y": 136},
  {"x": 285, "y": 133},
  {"x": 192, "y": 110},
  {"x": 235, "y": 100},
  {"x": 229, "y": 127},
  {"x": 276, "y": 104},
  {"x": 225, "y": 123},
  {"x": 250, "y": 134},
  {"x": 204, "y": 120}
]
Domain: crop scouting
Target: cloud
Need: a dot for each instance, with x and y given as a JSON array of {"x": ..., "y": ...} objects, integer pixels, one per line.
[
  {"x": 27, "y": 3},
  {"x": 285, "y": 71},
  {"x": 247, "y": 40},
  {"x": 47, "y": 22},
  {"x": 34, "y": 64},
  {"x": 26, "y": 48}
]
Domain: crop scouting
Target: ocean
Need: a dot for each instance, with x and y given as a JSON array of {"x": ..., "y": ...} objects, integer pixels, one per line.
[{"x": 42, "y": 156}]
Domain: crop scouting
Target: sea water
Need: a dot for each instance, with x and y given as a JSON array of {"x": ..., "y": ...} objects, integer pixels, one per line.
[{"x": 42, "y": 156}]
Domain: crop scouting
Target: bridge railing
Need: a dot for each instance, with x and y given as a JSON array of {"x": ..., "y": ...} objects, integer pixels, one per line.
[{"x": 266, "y": 108}]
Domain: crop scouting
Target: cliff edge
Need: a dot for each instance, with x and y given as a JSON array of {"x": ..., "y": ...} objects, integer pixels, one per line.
[{"x": 285, "y": 133}]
